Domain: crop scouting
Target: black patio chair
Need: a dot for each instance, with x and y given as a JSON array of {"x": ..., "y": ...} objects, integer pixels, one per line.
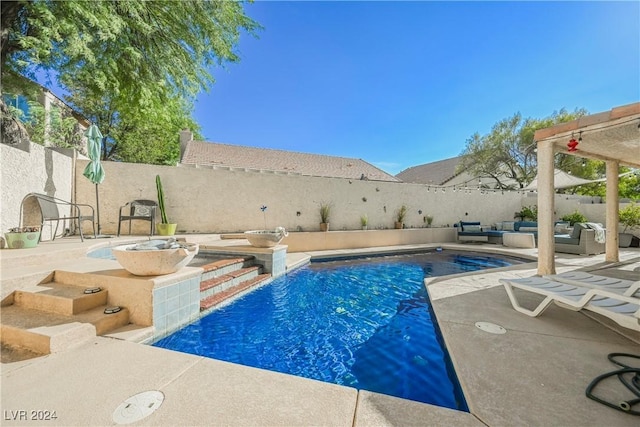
[
  {"x": 142, "y": 210},
  {"x": 50, "y": 207}
]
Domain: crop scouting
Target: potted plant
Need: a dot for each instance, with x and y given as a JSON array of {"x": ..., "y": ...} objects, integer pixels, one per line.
[
  {"x": 401, "y": 213},
  {"x": 165, "y": 228},
  {"x": 429, "y": 220},
  {"x": 325, "y": 212},
  {"x": 527, "y": 212},
  {"x": 22, "y": 237},
  {"x": 574, "y": 217},
  {"x": 364, "y": 221},
  {"x": 630, "y": 218}
]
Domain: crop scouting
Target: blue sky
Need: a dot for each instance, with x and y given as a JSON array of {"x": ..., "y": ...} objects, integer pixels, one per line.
[{"x": 399, "y": 84}]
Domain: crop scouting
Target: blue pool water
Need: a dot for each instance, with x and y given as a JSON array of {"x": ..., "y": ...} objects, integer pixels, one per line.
[{"x": 363, "y": 323}]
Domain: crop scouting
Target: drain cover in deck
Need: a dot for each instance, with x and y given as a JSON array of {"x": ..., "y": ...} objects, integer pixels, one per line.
[
  {"x": 138, "y": 407},
  {"x": 492, "y": 328}
]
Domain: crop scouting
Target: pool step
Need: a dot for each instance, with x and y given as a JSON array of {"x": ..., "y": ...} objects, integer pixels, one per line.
[
  {"x": 56, "y": 315},
  {"x": 229, "y": 280},
  {"x": 60, "y": 298},
  {"x": 229, "y": 294},
  {"x": 224, "y": 266},
  {"x": 45, "y": 332}
]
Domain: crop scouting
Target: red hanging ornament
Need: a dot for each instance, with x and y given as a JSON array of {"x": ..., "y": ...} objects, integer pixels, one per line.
[{"x": 572, "y": 144}]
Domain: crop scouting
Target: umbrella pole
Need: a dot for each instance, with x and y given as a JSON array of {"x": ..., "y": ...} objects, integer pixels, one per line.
[{"x": 98, "y": 210}]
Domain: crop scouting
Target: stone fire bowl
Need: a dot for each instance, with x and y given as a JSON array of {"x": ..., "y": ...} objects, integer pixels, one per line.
[
  {"x": 265, "y": 238},
  {"x": 154, "y": 262}
]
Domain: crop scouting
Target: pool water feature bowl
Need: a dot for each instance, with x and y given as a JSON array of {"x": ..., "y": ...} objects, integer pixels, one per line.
[
  {"x": 265, "y": 238},
  {"x": 153, "y": 261}
]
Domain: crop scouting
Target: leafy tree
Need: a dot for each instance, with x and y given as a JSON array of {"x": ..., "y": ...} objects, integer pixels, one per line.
[
  {"x": 629, "y": 185},
  {"x": 126, "y": 57},
  {"x": 507, "y": 153},
  {"x": 148, "y": 134}
]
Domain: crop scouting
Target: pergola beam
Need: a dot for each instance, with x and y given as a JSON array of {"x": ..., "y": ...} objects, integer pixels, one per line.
[{"x": 612, "y": 136}]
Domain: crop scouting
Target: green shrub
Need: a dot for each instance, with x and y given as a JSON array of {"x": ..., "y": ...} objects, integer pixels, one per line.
[
  {"x": 630, "y": 216},
  {"x": 527, "y": 212},
  {"x": 574, "y": 217}
]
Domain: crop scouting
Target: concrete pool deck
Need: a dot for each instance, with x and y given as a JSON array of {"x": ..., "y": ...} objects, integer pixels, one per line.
[{"x": 534, "y": 374}]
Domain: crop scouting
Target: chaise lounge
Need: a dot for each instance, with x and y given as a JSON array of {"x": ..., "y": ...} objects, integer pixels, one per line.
[{"x": 622, "y": 309}]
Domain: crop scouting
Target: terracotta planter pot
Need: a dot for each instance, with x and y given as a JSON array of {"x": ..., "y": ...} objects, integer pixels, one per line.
[
  {"x": 399, "y": 225},
  {"x": 324, "y": 226}
]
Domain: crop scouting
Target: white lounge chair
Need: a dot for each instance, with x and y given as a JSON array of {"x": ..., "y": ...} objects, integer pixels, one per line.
[
  {"x": 582, "y": 278},
  {"x": 622, "y": 309}
]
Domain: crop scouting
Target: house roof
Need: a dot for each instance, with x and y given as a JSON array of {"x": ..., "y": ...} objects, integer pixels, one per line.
[
  {"x": 435, "y": 173},
  {"x": 227, "y": 155}
]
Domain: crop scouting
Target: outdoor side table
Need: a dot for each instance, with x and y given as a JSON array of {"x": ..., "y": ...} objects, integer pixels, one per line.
[{"x": 519, "y": 240}]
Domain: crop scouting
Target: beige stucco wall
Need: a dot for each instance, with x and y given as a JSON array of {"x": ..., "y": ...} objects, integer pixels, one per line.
[
  {"x": 215, "y": 201},
  {"x": 205, "y": 200},
  {"x": 39, "y": 170}
]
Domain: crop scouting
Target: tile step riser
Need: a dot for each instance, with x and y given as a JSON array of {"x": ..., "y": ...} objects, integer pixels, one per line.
[
  {"x": 233, "y": 281},
  {"x": 234, "y": 296},
  {"x": 207, "y": 275}
]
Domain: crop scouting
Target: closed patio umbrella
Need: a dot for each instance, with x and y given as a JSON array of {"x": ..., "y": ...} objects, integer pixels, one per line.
[{"x": 94, "y": 170}]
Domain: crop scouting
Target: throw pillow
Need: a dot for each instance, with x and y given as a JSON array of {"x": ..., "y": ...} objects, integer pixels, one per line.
[
  {"x": 141, "y": 210},
  {"x": 508, "y": 225},
  {"x": 561, "y": 227},
  {"x": 472, "y": 228},
  {"x": 577, "y": 229},
  {"x": 528, "y": 229},
  {"x": 498, "y": 226}
]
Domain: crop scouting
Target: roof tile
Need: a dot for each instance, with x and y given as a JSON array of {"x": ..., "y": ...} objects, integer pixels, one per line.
[{"x": 217, "y": 154}]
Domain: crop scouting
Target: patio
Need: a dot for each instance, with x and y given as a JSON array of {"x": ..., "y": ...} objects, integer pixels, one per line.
[{"x": 534, "y": 374}]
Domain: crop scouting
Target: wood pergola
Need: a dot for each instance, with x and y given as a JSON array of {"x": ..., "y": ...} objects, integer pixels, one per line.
[{"x": 612, "y": 136}]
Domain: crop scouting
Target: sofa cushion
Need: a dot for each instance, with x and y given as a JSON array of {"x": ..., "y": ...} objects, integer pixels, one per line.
[
  {"x": 577, "y": 229},
  {"x": 508, "y": 225},
  {"x": 528, "y": 229},
  {"x": 464, "y": 225},
  {"x": 566, "y": 239},
  {"x": 519, "y": 224}
]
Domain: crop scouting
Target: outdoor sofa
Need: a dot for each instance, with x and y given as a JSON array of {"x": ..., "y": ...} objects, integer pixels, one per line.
[
  {"x": 581, "y": 241},
  {"x": 474, "y": 231}
]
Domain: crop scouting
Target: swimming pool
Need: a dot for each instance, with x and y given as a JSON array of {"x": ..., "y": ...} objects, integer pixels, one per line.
[{"x": 363, "y": 323}]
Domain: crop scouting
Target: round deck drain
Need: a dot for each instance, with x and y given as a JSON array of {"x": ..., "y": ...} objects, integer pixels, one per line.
[
  {"x": 138, "y": 407},
  {"x": 492, "y": 328}
]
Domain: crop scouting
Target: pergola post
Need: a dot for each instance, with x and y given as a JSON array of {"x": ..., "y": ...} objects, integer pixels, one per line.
[
  {"x": 611, "y": 245},
  {"x": 546, "y": 207}
]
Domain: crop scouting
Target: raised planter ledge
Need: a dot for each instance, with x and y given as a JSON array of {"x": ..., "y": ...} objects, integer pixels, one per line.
[{"x": 360, "y": 239}]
